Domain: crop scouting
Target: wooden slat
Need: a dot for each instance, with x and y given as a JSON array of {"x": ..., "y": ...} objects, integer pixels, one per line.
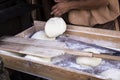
[
  {"x": 97, "y": 40},
  {"x": 104, "y": 38},
  {"x": 29, "y": 49},
  {"x": 82, "y": 29},
  {"x": 109, "y": 57},
  {"x": 100, "y": 37},
  {"x": 55, "y": 72},
  {"x": 35, "y": 42},
  {"x": 13, "y": 44},
  {"x": 46, "y": 70}
]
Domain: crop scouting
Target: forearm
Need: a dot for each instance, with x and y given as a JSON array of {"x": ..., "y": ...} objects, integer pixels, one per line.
[{"x": 87, "y": 4}]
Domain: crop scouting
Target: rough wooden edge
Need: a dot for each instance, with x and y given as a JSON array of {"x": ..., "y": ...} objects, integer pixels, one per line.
[{"x": 46, "y": 70}]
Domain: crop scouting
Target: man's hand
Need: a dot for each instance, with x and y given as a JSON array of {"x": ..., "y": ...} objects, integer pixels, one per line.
[{"x": 60, "y": 8}]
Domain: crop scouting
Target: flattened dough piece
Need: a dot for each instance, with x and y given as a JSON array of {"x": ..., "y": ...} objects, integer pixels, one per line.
[
  {"x": 42, "y": 36},
  {"x": 111, "y": 74},
  {"x": 87, "y": 61},
  {"x": 55, "y": 26}
]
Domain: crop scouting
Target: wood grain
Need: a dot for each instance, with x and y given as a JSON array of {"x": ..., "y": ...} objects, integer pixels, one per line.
[
  {"x": 100, "y": 37},
  {"x": 89, "y": 35},
  {"x": 48, "y": 71},
  {"x": 47, "y": 50}
]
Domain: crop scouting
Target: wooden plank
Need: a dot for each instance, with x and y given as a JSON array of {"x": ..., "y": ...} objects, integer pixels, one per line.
[
  {"x": 100, "y": 37},
  {"x": 104, "y": 38},
  {"x": 58, "y": 73},
  {"x": 35, "y": 42},
  {"x": 103, "y": 32},
  {"x": 48, "y": 71},
  {"x": 103, "y": 41},
  {"x": 26, "y": 47},
  {"x": 82, "y": 29},
  {"x": 29, "y": 49}
]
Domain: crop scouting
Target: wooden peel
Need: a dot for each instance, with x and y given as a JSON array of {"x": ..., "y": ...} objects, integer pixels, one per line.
[
  {"x": 87, "y": 54},
  {"x": 12, "y": 44},
  {"x": 109, "y": 57}
]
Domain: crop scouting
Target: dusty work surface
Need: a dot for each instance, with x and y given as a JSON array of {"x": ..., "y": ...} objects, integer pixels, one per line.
[
  {"x": 77, "y": 39},
  {"x": 69, "y": 60}
]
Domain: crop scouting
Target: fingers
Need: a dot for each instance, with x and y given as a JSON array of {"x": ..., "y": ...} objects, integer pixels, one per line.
[
  {"x": 59, "y": 9},
  {"x": 56, "y": 11},
  {"x": 57, "y": 0},
  {"x": 54, "y": 7}
]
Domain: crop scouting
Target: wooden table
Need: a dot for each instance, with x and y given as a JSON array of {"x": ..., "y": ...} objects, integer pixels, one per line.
[{"x": 50, "y": 71}]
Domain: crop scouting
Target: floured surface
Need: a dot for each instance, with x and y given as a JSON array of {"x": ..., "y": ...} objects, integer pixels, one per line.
[
  {"x": 30, "y": 49},
  {"x": 82, "y": 46},
  {"x": 41, "y": 35},
  {"x": 48, "y": 53},
  {"x": 99, "y": 41},
  {"x": 113, "y": 74},
  {"x": 35, "y": 42},
  {"x": 69, "y": 61}
]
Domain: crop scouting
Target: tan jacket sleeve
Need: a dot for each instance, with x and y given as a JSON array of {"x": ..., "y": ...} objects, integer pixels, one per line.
[{"x": 96, "y": 16}]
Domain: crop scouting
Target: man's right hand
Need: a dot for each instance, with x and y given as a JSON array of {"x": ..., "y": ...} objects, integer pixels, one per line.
[{"x": 60, "y": 8}]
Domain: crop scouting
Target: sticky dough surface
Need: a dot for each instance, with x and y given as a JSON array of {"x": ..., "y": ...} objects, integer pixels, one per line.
[
  {"x": 55, "y": 27},
  {"x": 41, "y": 35}
]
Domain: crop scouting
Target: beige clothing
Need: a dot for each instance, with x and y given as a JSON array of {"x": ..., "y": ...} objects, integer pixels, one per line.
[{"x": 95, "y": 16}]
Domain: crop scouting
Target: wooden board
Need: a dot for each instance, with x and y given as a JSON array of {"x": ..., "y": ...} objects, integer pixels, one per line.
[
  {"x": 30, "y": 50},
  {"x": 100, "y": 37},
  {"x": 103, "y": 39},
  {"x": 35, "y": 42},
  {"x": 45, "y": 50},
  {"x": 47, "y": 71},
  {"x": 88, "y": 35}
]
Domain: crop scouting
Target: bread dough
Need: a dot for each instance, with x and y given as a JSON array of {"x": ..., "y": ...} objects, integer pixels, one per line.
[
  {"x": 41, "y": 35},
  {"x": 87, "y": 61},
  {"x": 111, "y": 74},
  {"x": 55, "y": 27},
  {"x": 38, "y": 59}
]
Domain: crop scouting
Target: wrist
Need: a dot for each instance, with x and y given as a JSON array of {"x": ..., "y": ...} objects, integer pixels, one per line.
[{"x": 73, "y": 4}]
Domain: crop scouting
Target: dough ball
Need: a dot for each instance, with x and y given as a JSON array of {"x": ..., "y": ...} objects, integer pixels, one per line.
[
  {"x": 111, "y": 74},
  {"x": 87, "y": 61},
  {"x": 41, "y": 35},
  {"x": 55, "y": 27}
]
